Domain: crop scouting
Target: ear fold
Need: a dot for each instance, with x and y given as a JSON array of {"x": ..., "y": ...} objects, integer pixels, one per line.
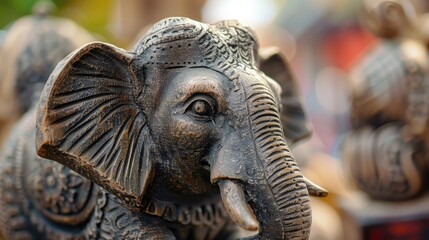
[
  {"x": 89, "y": 121},
  {"x": 295, "y": 123}
]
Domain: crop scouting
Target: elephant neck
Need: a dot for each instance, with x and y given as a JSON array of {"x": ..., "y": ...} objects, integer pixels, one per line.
[{"x": 191, "y": 210}]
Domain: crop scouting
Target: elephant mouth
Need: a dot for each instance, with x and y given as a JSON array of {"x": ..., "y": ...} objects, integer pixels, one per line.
[
  {"x": 235, "y": 204},
  {"x": 205, "y": 164}
]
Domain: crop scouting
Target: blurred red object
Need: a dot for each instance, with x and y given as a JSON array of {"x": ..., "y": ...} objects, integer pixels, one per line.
[{"x": 346, "y": 46}]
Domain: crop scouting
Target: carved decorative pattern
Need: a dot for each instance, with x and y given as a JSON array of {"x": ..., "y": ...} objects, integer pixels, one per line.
[
  {"x": 168, "y": 30},
  {"x": 222, "y": 45},
  {"x": 59, "y": 193},
  {"x": 418, "y": 99},
  {"x": 387, "y": 167},
  {"x": 205, "y": 215},
  {"x": 41, "y": 197}
]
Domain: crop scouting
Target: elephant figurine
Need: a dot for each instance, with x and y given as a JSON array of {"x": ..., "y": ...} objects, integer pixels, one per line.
[
  {"x": 385, "y": 154},
  {"x": 184, "y": 137},
  {"x": 29, "y": 50}
]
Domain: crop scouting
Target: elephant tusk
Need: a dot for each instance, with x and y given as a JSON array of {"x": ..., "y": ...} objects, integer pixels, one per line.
[
  {"x": 314, "y": 189},
  {"x": 235, "y": 204}
]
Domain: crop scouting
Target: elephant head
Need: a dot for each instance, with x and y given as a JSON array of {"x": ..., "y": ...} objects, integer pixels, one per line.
[{"x": 188, "y": 112}]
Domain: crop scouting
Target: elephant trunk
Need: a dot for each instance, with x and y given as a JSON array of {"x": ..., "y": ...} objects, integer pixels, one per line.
[
  {"x": 276, "y": 191},
  {"x": 282, "y": 204}
]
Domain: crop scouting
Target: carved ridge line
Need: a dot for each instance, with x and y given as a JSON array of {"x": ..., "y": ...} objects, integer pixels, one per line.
[
  {"x": 88, "y": 116},
  {"x": 95, "y": 141},
  {"x": 59, "y": 106}
]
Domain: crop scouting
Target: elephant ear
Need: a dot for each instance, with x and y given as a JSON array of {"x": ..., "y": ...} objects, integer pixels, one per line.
[
  {"x": 295, "y": 123},
  {"x": 89, "y": 121}
]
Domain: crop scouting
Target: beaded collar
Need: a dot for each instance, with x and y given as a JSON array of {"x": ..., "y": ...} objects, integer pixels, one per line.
[{"x": 206, "y": 214}]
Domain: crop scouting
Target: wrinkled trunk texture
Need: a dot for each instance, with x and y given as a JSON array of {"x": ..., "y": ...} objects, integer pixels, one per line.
[{"x": 281, "y": 204}]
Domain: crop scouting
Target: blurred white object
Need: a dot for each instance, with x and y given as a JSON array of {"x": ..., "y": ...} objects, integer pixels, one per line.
[{"x": 254, "y": 13}]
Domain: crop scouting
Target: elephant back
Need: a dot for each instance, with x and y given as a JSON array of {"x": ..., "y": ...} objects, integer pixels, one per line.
[{"x": 42, "y": 199}]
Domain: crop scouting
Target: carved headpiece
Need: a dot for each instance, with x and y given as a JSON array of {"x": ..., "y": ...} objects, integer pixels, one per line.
[{"x": 219, "y": 46}]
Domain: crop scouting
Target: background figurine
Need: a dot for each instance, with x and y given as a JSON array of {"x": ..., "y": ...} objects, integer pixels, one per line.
[
  {"x": 29, "y": 51},
  {"x": 188, "y": 120},
  {"x": 386, "y": 153}
]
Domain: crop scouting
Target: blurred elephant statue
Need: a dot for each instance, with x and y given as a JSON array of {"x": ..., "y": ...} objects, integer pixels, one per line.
[
  {"x": 185, "y": 134},
  {"x": 29, "y": 50},
  {"x": 386, "y": 152}
]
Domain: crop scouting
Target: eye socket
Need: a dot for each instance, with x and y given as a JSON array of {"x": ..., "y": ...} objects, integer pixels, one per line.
[{"x": 201, "y": 108}]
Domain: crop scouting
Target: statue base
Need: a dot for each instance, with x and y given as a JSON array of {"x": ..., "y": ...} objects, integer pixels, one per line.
[{"x": 369, "y": 219}]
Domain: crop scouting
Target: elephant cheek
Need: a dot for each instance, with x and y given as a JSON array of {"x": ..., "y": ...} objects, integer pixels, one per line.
[{"x": 188, "y": 135}]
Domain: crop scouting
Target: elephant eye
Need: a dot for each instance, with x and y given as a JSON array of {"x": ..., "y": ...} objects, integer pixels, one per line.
[{"x": 201, "y": 109}]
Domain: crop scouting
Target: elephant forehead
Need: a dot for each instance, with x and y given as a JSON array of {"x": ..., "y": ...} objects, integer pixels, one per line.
[
  {"x": 175, "y": 54},
  {"x": 169, "y": 30},
  {"x": 210, "y": 51},
  {"x": 181, "y": 42}
]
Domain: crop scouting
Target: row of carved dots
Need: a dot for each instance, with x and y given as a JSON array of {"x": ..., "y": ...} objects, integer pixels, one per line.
[
  {"x": 177, "y": 63},
  {"x": 172, "y": 63},
  {"x": 171, "y": 47}
]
